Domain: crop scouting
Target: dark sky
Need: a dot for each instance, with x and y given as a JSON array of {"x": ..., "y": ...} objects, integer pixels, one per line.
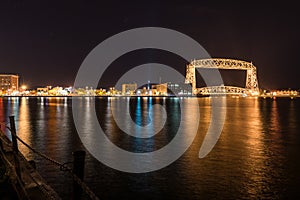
[{"x": 46, "y": 42}]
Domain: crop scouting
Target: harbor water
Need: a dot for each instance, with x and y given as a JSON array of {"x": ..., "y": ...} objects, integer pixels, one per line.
[{"x": 256, "y": 157}]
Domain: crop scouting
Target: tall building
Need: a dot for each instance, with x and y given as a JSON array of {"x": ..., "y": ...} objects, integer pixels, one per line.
[
  {"x": 9, "y": 82},
  {"x": 129, "y": 89}
]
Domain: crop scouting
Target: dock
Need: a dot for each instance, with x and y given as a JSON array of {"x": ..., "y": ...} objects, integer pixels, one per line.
[{"x": 19, "y": 178}]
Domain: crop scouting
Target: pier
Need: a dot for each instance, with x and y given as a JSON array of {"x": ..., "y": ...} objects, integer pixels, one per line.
[{"x": 20, "y": 176}]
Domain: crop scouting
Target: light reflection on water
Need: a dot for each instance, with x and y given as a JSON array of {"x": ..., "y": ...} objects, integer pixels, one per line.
[{"x": 255, "y": 157}]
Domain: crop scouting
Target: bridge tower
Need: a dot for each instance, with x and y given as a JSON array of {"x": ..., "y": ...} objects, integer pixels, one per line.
[
  {"x": 191, "y": 77},
  {"x": 251, "y": 79}
]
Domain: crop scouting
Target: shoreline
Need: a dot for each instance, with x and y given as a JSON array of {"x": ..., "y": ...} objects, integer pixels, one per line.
[{"x": 132, "y": 96}]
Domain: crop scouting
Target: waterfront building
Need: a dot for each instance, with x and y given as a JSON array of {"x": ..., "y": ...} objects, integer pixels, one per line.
[
  {"x": 172, "y": 89},
  {"x": 9, "y": 83},
  {"x": 129, "y": 89},
  {"x": 160, "y": 89}
]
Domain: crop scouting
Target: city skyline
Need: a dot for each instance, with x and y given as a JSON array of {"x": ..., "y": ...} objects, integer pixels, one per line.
[
  {"x": 181, "y": 99},
  {"x": 45, "y": 43}
]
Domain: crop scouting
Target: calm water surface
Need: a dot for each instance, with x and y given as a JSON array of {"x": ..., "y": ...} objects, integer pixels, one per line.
[{"x": 256, "y": 157}]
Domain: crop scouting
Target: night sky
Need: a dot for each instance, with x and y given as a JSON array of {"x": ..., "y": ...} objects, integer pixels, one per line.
[{"x": 46, "y": 42}]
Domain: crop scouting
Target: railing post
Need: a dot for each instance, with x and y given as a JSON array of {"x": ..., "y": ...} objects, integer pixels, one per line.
[
  {"x": 1, "y": 146},
  {"x": 15, "y": 145},
  {"x": 78, "y": 169}
]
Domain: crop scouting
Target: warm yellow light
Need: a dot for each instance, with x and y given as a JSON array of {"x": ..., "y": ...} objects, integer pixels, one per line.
[{"x": 24, "y": 87}]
